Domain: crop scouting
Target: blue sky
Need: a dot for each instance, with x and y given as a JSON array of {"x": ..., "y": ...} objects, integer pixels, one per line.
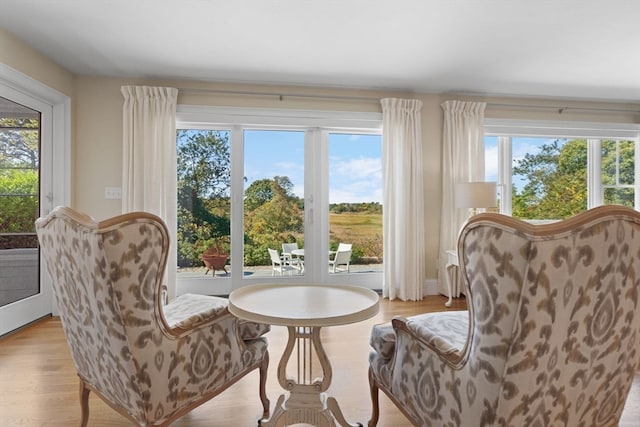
[{"x": 355, "y": 163}]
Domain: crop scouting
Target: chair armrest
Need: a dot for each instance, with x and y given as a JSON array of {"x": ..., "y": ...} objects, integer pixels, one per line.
[
  {"x": 190, "y": 311},
  {"x": 444, "y": 333}
]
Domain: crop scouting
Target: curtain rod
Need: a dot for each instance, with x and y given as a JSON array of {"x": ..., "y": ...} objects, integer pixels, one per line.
[
  {"x": 561, "y": 109},
  {"x": 281, "y": 95}
]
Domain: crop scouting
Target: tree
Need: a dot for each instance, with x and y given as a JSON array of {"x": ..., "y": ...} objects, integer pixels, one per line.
[
  {"x": 556, "y": 185},
  {"x": 258, "y": 193},
  {"x": 19, "y": 141},
  {"x": 618, "y": 168},
  {"x": 204, "y": 163},
  {"x": 19, "y": 179},
  {"x": 204, "y": 182},
  {"x": 556, "y": 178},
  {"x": 262, "y": 191},
  {"x": 272, "y": 216}
]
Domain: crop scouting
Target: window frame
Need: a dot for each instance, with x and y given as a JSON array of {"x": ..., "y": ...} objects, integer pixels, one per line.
[
  {"x": 593, "y": 132},
  {"x": 55, "y": 177},
  {"x": 317, "y": 124}
]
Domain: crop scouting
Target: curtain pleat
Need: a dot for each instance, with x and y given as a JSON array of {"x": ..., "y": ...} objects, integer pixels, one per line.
[
  {"x": 403, "y": 200},
  {"x": 149, "y": 160},
  {"x": 462, "y": 161}
]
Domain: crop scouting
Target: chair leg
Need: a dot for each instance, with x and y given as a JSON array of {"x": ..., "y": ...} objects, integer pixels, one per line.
[
  {"x": 375, "y": 404},
  {"x": 263, "y": 381},
  {"x": 84, "y": 404}
]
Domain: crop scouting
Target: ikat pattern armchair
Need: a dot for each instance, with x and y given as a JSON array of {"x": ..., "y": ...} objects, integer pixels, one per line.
[
  {"x": 151, "y": 362},
  {"x": 551, "y": 337}
]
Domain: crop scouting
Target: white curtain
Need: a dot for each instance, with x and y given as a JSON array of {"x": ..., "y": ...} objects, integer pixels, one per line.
[
  {"x": 149, "y": 160},
  {"x": 403, "y": 200},
  {"x": 462, "y": 161}
]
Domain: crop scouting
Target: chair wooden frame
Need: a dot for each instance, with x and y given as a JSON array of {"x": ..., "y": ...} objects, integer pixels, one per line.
[
  {"x": 108, "y": 281},
  {"x": 550, "y": 306}
]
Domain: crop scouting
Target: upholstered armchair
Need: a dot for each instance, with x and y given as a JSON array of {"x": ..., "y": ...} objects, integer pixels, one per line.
[
  {"x": 149, "y": 361},
  {"x": 551, "y": 336}
]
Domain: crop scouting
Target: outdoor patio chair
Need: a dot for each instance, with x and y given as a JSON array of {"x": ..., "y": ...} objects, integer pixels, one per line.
[
  {"x": 278, "y": 264},
  {"x": 341, "y": 257},
  {"x": 290, "y": 258}
]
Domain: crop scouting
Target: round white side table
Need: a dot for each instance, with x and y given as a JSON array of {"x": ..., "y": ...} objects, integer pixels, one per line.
[{"x": 304, "y": 309}]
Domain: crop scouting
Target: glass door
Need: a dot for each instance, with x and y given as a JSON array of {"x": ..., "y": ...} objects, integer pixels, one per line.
[
  {"x": 19, "y": 194},
  {"x": 274, "y": 211},
  {"x": 355, "y": 208},
  {"x": 24, "y": 130},
  {"x": 277, "y": 196}
]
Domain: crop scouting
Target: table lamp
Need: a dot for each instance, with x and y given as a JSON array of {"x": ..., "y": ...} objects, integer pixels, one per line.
[{"x": 475, "y": 195}]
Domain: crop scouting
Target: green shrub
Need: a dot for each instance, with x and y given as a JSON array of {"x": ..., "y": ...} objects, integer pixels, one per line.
[{"x": 18, "y": 192}]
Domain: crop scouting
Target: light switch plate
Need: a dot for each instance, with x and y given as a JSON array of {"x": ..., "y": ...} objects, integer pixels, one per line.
[{"x": 112, "y": 193}]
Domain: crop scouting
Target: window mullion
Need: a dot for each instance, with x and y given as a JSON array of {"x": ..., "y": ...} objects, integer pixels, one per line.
[
  {"x": 237, "y": 200},
  {"x": 316, "y": 199},
  {"x": 617, "y": 163},
  {"x": 505, "y": 172},
  {"x": 595, "y": 190}
]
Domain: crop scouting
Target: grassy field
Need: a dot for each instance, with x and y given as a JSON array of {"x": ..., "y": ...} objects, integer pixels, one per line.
[{"x": 363, "y": 230}]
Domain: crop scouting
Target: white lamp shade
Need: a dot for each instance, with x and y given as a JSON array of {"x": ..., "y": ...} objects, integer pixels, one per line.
[{"x": 475, "y": 195}]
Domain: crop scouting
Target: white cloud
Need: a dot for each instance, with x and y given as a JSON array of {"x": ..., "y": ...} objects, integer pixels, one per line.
[
  {"x": 356, "y": 168},
  {"x": 355, "y": 180}
]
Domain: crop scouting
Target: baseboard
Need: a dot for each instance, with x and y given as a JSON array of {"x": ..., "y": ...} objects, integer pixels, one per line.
[{"x": 430, "y": 287}]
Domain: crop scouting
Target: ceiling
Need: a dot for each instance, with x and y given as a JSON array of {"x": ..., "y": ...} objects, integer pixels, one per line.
[{"x": 575, "y": 49}]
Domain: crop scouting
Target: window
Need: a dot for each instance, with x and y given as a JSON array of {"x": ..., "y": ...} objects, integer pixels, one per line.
[
  {"x": 273, "y": 197},
  {"x": 355, "y": 196},
  {"x": 618, "y": 172},
  {"x": 204, "y": 203},
  {"x": 551, "y": 171},
  {"x": 251, "y": 180}
]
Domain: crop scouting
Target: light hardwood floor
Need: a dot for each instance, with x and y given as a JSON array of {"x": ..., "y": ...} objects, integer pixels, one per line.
[{"x": 38, "y": 385}]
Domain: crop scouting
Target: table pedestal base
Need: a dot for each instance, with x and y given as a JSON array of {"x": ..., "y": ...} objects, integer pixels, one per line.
[
  {"x": 306, "y": 400},
  {"x": 305, "y": 375},
  {"x": 326, "y": 415}
]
